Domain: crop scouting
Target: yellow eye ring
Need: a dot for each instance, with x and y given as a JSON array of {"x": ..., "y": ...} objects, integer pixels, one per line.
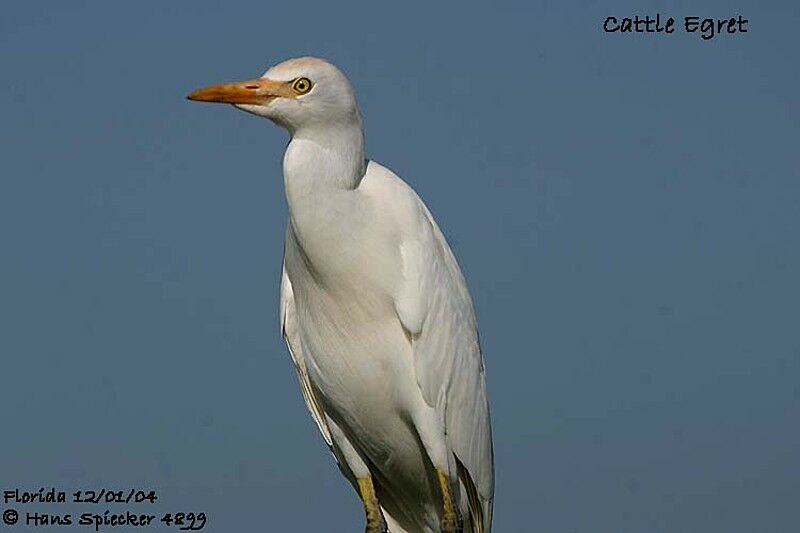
[{"x": 301, "y": 85}]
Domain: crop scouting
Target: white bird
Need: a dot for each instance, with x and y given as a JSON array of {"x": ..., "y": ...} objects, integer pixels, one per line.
[{"x": 376, "y": 314}]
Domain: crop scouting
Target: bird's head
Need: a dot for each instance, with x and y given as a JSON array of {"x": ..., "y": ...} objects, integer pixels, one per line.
[{"x": 295, "y": 94}]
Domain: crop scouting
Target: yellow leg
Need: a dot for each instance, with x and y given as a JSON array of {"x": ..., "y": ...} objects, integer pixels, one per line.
[
  {"x": 376, "y": 523},
  {"x": 451, "y": 521}
]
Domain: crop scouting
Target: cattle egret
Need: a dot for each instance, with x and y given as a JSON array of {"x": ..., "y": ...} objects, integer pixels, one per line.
[{"x": 375, "y": 313}]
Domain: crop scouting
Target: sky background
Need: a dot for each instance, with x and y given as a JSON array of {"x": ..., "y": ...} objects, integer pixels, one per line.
[{"x": 625, "y": 209}]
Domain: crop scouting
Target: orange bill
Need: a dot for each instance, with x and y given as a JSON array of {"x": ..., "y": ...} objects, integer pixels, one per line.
[{"x": 258, "y": 92}]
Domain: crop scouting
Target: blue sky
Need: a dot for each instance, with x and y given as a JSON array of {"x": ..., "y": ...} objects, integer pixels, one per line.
[{"x": 624, "y": 207}]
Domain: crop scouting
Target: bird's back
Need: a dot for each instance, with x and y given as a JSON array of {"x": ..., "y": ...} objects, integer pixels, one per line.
[{"x": 434, "y": 304}]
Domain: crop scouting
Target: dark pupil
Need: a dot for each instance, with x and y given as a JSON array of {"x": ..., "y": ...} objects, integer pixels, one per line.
[{"x": 301, "y": 85}]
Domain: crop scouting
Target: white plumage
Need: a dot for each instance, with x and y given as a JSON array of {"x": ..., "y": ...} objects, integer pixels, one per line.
[{"x": 375, "y": 312}]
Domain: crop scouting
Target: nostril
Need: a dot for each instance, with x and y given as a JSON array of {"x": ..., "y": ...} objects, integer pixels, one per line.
[{"x": 251, "y": 86}]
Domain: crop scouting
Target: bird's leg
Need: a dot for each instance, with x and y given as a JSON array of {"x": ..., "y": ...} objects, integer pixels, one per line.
[
  {"x": 376, "y": 523},
  {"x": 353, "y": 465},
  {"x": 429, "y": 424},
  {"x": 451, "y": 519}
]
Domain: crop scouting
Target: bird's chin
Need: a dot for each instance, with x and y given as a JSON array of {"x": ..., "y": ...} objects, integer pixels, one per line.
[
  {"x": 266, "y": 111},
  {"x": 255, "y": 109}
]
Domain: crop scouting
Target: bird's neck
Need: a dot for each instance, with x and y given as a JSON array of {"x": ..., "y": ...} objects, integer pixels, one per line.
[
  {"x": 324, "y": 158},
  {"x": 320, "y": 170}
]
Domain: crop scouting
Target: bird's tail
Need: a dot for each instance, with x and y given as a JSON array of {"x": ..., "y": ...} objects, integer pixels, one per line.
[
  {"x": 468, "y": 515},
  {"x": 477, "y": 512},
  {"x": 394, "y": 527}
]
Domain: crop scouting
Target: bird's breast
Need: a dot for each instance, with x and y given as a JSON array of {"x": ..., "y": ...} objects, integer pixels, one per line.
[
  {"x": 342, "y": 280},
  {"x": 342, "y": 241}
]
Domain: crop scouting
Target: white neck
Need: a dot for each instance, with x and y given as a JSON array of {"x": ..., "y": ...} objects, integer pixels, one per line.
[
  {"x": 321, "y": 165},
  {"x": 324, "y": 157},
  {"x": 320, "y": 168}
]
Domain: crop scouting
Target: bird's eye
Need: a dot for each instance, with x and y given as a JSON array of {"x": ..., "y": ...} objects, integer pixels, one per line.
[{"x": 301, "y": 85}]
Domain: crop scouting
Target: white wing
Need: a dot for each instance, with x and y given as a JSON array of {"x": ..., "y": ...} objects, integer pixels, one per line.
[
  {"x": 436, "y": 309},
  {"x": 292, "y": 338}
]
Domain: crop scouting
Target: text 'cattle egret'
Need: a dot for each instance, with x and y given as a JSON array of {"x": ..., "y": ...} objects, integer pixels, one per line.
[{"x": 376, "y": 314}]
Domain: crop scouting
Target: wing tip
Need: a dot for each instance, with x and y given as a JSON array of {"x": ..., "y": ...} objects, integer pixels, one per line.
[{"x": 475, "y": 506}]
